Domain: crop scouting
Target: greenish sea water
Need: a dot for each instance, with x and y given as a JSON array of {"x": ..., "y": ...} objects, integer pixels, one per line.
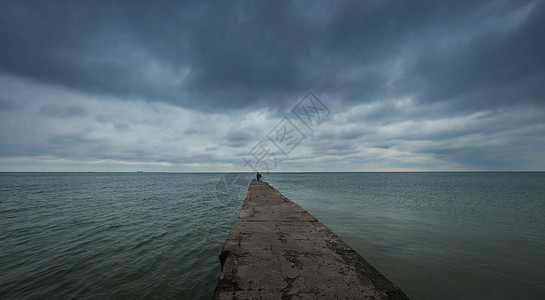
[{"x": 157, "y": 235}]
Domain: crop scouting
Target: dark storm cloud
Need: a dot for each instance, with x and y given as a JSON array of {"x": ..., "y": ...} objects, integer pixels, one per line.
[
  {"x": 425, "y": 84},
  {"x": 231, "y": 55},
  {"x": 488, "y": 64}
]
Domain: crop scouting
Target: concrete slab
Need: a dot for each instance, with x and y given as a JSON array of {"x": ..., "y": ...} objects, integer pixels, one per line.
[{"x": 277, "y": 250}]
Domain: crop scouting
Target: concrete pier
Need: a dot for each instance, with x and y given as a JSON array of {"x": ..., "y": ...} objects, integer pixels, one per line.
[{"x": 277, "y": 250}]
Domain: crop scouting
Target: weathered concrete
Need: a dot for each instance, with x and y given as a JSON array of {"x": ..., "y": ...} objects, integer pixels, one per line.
[{"x": 277, "y": 250}]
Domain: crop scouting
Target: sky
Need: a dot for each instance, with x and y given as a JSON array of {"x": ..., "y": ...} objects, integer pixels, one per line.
[{"x": 280, "y": 86}]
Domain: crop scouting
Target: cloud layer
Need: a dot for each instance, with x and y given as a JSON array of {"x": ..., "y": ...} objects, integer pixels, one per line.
[{"x": 194, "y": 86}]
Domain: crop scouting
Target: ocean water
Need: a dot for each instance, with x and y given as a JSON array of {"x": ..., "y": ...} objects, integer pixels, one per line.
[{"x": 157, "y": 235}]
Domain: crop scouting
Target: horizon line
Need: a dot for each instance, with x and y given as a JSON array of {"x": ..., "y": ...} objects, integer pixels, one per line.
[{"x": 276, "y": 172}]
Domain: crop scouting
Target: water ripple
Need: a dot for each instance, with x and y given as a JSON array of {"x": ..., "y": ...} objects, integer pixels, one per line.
[{"x": 89, "y": 236}]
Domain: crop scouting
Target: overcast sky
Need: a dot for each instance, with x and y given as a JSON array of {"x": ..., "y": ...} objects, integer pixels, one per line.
[{"x": 284, "y": 85}]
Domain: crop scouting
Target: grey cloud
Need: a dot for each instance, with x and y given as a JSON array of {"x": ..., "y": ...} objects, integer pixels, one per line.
[
  {"x": 488, "y": 62},
  {"x": 7, "y": 105},
  {"x": 239, "y": 138},
  {"x": 69, "y": 139},
  {"x": 62, "y": 111},
  {"x": 241, "y": 54},
  {"x": 456, "y": 83}
]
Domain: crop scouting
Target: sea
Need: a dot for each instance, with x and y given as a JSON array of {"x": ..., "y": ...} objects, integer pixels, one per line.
[{"x": 158, "y": 235}]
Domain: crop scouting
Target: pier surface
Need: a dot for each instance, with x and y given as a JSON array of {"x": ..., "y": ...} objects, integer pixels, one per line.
[{"x": 277, "y": 250}]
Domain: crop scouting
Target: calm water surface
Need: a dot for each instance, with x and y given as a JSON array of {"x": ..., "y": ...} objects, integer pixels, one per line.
[{"x": 157, "y": 235}]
